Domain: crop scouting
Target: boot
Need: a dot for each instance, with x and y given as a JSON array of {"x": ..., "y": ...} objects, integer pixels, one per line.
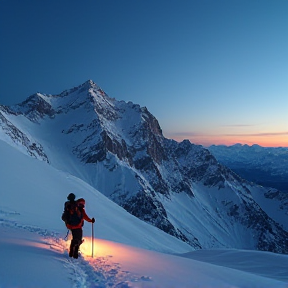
[
  {"x": 71, "y": 251},
  {"x": 72, "y": 248},
  {"x": 76, "y": 248},
  {"x": 75, "y": 252}
]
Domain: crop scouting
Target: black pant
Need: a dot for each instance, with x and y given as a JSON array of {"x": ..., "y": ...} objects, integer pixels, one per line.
[
  {"x": 75, "y": 242},
  {"x": 77, "y": 235}
]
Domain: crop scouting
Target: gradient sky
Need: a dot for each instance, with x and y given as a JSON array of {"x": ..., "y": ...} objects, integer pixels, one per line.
[{"x": 211, "y": 71}]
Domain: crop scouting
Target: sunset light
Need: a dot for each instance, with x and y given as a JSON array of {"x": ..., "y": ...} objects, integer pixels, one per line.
[{"x": 264, "y": 139}]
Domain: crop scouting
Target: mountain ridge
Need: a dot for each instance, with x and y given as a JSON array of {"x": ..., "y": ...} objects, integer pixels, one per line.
[
  {"x": 119, "y": 149},
  {"x": 267, "y": 166}
]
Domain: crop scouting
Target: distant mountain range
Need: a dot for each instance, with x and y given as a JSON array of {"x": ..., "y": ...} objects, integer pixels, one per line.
[
  {"x": 262, "y": 165},
  {"x": 118, "y": 148}
]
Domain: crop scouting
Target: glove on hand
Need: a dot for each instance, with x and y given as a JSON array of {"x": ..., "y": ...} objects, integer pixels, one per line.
[{"x": 93, "y": 220}]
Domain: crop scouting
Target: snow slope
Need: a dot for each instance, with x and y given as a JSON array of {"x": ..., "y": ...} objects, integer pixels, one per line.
[
  {"x": 34, "y": 193},
  {"x": 128, "y": 252}
]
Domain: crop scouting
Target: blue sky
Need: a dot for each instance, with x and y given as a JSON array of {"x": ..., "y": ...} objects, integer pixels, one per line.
[{"x": 212, "y": 71}]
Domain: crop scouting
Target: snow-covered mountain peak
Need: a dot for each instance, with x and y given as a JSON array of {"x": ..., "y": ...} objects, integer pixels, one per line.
[
  {"x": 39, "y": 105},
  {"x": 116, "y": 117},
  {"x": 84, "y": 87},
  {"x": 119, "y": 149}
]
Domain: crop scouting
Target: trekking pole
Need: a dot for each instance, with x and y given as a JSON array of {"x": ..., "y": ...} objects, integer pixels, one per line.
[
  {"x": 66, "y": 237},
  {"x": 92, "y": 240}
]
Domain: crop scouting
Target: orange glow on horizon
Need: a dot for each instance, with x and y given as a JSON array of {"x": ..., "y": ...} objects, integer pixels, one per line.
[{"x": 268, "y": 141}]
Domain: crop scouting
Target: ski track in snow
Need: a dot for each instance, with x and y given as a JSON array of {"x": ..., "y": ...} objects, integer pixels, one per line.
[{"x": 100, "y": 272}]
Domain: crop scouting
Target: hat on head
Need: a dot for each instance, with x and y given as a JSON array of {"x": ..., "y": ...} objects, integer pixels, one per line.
[
  {"x": 71, "y": 197},
  {"x": 81, "y": 201}
]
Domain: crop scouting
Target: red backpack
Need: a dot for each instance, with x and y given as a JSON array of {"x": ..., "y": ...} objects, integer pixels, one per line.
[{"x": 72, "y": 214}]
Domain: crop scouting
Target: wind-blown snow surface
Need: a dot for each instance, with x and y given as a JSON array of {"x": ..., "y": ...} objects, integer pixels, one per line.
[{"x": 128, "y": 252}]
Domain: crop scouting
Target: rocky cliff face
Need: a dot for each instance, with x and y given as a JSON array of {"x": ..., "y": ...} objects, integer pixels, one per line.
[{"x": 119, "y": 148}]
